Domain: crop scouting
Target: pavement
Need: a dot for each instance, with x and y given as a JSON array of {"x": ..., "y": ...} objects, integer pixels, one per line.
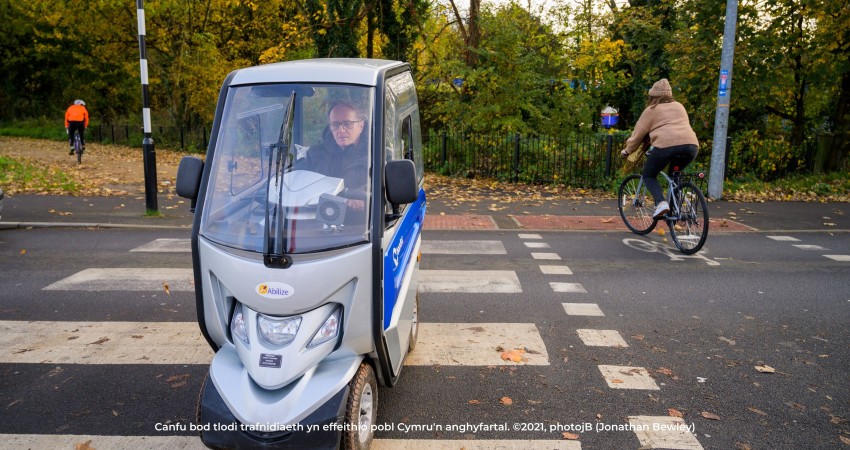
[{"x": 581, "y": 214}]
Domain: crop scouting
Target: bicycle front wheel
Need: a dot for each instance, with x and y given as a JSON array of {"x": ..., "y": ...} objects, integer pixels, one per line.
[
  {"x": 635, "y": 205},
  {"x": 78, "y": 149},
  {"x": 690, "y": 229}
]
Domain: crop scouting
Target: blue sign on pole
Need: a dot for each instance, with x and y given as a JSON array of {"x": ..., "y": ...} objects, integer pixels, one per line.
[{"x": 724, "y": 83}]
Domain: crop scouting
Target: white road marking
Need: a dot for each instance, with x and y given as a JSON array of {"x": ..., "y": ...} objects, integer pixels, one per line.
[
  {"x": 126, "y": 279},
  {"x": 840, "y": 258},
  {"x": 536, "y": 245},
  {"x": 166, "y": 246},
  {"x": 463, "y": 247},
  {"x": 625, "y": 377},
  {"x": 784, "y": 238},
  {"x": 555, "y": 270},
  {"x": 567, "y": 287},
  {"x": 664, "y": 432},
  {"x": 809, "y": 247},
  {"x": 102, "y": 343},
  {"x": 469, "y": 281},
  {"x": 529, "y": 236},
  {"x": 477, "y": 344},
  {"x": 601, "y": 338},
  {"x": 582, "y": 309},
  {"x": 547, "y": 256}
]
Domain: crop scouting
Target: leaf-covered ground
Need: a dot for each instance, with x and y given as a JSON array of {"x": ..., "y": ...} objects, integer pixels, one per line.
[{"x": 33, "y": 166}]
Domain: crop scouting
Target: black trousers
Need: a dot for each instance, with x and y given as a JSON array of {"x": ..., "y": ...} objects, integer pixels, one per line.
[
  {"x": 73, "y": 126},
  {"x": 678, "y": 157}
]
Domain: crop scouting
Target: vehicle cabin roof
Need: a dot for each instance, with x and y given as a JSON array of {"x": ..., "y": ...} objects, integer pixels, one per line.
[{"x": 329, "y": 70}]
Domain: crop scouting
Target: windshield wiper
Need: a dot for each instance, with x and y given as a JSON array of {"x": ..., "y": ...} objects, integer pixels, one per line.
[{"x": 273, "y": 239}]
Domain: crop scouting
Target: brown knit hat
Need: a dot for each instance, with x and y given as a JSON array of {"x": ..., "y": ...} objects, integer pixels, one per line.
[{"x": 661, "y": 88}]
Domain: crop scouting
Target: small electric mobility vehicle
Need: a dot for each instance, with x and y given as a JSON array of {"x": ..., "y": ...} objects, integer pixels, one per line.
[{"x": 306, "y": 247}]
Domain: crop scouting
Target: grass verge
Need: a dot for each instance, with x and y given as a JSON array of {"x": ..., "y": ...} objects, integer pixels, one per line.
[{"x": 17, "y": 175}]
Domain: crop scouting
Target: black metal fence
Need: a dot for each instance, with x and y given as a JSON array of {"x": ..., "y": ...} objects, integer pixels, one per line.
[
  {"x": 183, "y": 138},
  {"x": 574, "y": 160}
]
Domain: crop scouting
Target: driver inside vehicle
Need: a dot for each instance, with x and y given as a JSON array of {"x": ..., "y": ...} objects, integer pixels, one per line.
[{"x": 343, "y": 152}]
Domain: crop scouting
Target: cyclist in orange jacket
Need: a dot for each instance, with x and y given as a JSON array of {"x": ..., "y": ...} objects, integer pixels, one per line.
[{"x": 76, "y": 119}]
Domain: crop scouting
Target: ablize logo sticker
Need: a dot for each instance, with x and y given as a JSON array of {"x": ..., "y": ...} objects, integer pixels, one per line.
[{"x": 275, "y": 290}]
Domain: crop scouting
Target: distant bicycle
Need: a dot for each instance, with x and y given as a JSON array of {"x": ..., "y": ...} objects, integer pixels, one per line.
[
  {"x": 78, "y": 147},
  {"x": 688, "y": 215}
]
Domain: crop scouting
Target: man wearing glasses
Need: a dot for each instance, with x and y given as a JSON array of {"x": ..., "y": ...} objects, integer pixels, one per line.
[{"x": 343, "y": 152}]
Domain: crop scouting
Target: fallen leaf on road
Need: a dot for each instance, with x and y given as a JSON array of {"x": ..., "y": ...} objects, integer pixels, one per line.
[
  {"x": 514, "y": 355},
  {"x": 757, "y": 411},
  {"x": 673, "y": 412},
  {"x": 844, "y": 439},
  {"x": 665, "y": 371},
  {"x": 474, "y": 402},
  {"x": 166, "y": 288},
  {"x": 24, "y": 252},
  {"x": 83, "y": 445},
  {"x": 710, "y": 416},
  {"x": 506, "y": 401},
  {"x": 570, "y": 436},
  {"x": 765, "y": 369},
  {"x": 608, "y": 220}
]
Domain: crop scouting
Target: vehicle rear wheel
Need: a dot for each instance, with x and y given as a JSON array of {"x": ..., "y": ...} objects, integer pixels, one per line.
[
  {"x": 633, "y": 201},
  {"x": 361, "y": 410}
]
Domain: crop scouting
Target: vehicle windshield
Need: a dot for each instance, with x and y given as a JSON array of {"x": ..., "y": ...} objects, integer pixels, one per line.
[{"x": 290, "y": 169}]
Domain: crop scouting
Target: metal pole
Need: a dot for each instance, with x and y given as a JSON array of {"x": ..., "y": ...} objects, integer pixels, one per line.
[
  {"x": 724, "y": 93},
  {"x": 148, "y": 152}
]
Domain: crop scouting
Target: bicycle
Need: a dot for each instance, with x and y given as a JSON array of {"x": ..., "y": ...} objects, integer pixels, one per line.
[
  {"x": 688, "y": 215},
  {"x": 78, "y": 146}
]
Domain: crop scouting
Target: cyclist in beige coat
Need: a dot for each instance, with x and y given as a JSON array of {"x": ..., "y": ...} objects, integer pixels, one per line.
[{"x": 672, "y": 140}]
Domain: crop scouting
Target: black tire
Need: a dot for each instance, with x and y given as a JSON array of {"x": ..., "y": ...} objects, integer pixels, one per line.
[
  {"x": 78, "y": 149},
  {"x": 690, "y": 230},
  {"x": 414, "y": 328},
  {"x": 634, "y": 206},
  {"x": 361, "y": 410}
]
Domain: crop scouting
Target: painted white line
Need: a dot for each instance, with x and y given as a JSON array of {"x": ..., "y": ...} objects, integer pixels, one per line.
[
  {"x": 556, "y": 270},
  {"x": 840, "y": 258},
  {"x": 547, "y": 256},
  {"x": 582, "y": 309},
  {"x": 469, "y": 281},
  {"x": 463, "y": 247},
  {"x": 625, "y": 377},
  {"x": 501, "y": 444},
  {"x": 102, "y": 343},
  {"x": 111, "y": 442},
  {"x": 166, "y": 246},
  {"x": 784, "y": 238},
  {"x": 536, "y": 245},
  {"x": 664, "y": 432},
  {"x": 477, "y": 344},
  {"x": 126, "y": 279},
  {"x": 601, "y": 338},
  {"x": 529, "y": 236},
  {"x": 567, "y": 287},
  {"x": 809, "y": 247}
]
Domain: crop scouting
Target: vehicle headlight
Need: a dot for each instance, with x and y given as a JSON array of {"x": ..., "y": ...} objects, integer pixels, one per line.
[
  {"x": 278, "y": 331},
  {"x": 238, "y": 327},
  {"x": 329, "y": 329}
]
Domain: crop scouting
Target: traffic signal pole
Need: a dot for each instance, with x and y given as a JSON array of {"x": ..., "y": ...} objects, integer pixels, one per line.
[{"x": 148, "y": 151}]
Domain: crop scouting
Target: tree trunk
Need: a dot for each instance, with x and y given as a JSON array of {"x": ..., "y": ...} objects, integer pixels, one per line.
[{"x": 840, "y": 150}]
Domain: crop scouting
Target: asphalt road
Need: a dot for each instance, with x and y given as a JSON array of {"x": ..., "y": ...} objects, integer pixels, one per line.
[{"x": 698, "y": 326}]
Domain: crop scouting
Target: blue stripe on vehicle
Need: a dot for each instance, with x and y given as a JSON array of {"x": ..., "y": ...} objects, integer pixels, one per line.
[{"x": 398, "y": 254}]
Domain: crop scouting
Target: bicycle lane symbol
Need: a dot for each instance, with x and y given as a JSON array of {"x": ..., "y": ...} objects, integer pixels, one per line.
[{"x": 674, "y": 255}]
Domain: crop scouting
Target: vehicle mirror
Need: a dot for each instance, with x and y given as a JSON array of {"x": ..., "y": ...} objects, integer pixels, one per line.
[
  {"x": 189, "y": 178},
  {"x": 400, "y": 176}
]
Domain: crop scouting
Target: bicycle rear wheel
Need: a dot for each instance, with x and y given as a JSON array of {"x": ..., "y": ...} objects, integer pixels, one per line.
[
  {"x": 78, "y": 148},
  {"x": 633, "y": 201},
  {"x": 690, "y": 230}
]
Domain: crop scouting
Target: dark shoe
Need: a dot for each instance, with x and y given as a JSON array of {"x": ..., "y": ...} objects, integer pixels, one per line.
[{"x": 72, "y": 151}]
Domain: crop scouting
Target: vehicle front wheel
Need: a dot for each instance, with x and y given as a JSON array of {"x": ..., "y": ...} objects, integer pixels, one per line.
[{"x": 361, "y": 410}]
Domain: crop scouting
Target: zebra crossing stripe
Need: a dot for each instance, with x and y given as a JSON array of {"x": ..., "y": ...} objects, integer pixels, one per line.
[
  {"x": 529, "y": 236},
  {"x": 469, "y": 281},
  {"x": 111, "y": 442},
  {"x": 483, "y": 444},
  {"x": 546, "y": 256},
  {"x": 464, "y": 344},
  {"x": 126, "y": 279},
  {"x": 478, "y": 344},
  {"x": 601, "y": 338},
  {"x": 624, "y": 377},
  {"x": 582, "y": 309},
  {"x": 166, "y": 246},
  {"x": 784, "y": 238},
  {"x": 102, "y": 343},
  {"x": 664, "y": 432},
  {"x": 567, "y": 287},
  {"x": 463, "y": 247},
  {"x": 839, "y": 258},
  {"x": 536, "y": 245},
  {"x": 555, "y": 270},
  {"x": 194, "y": 443}
]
